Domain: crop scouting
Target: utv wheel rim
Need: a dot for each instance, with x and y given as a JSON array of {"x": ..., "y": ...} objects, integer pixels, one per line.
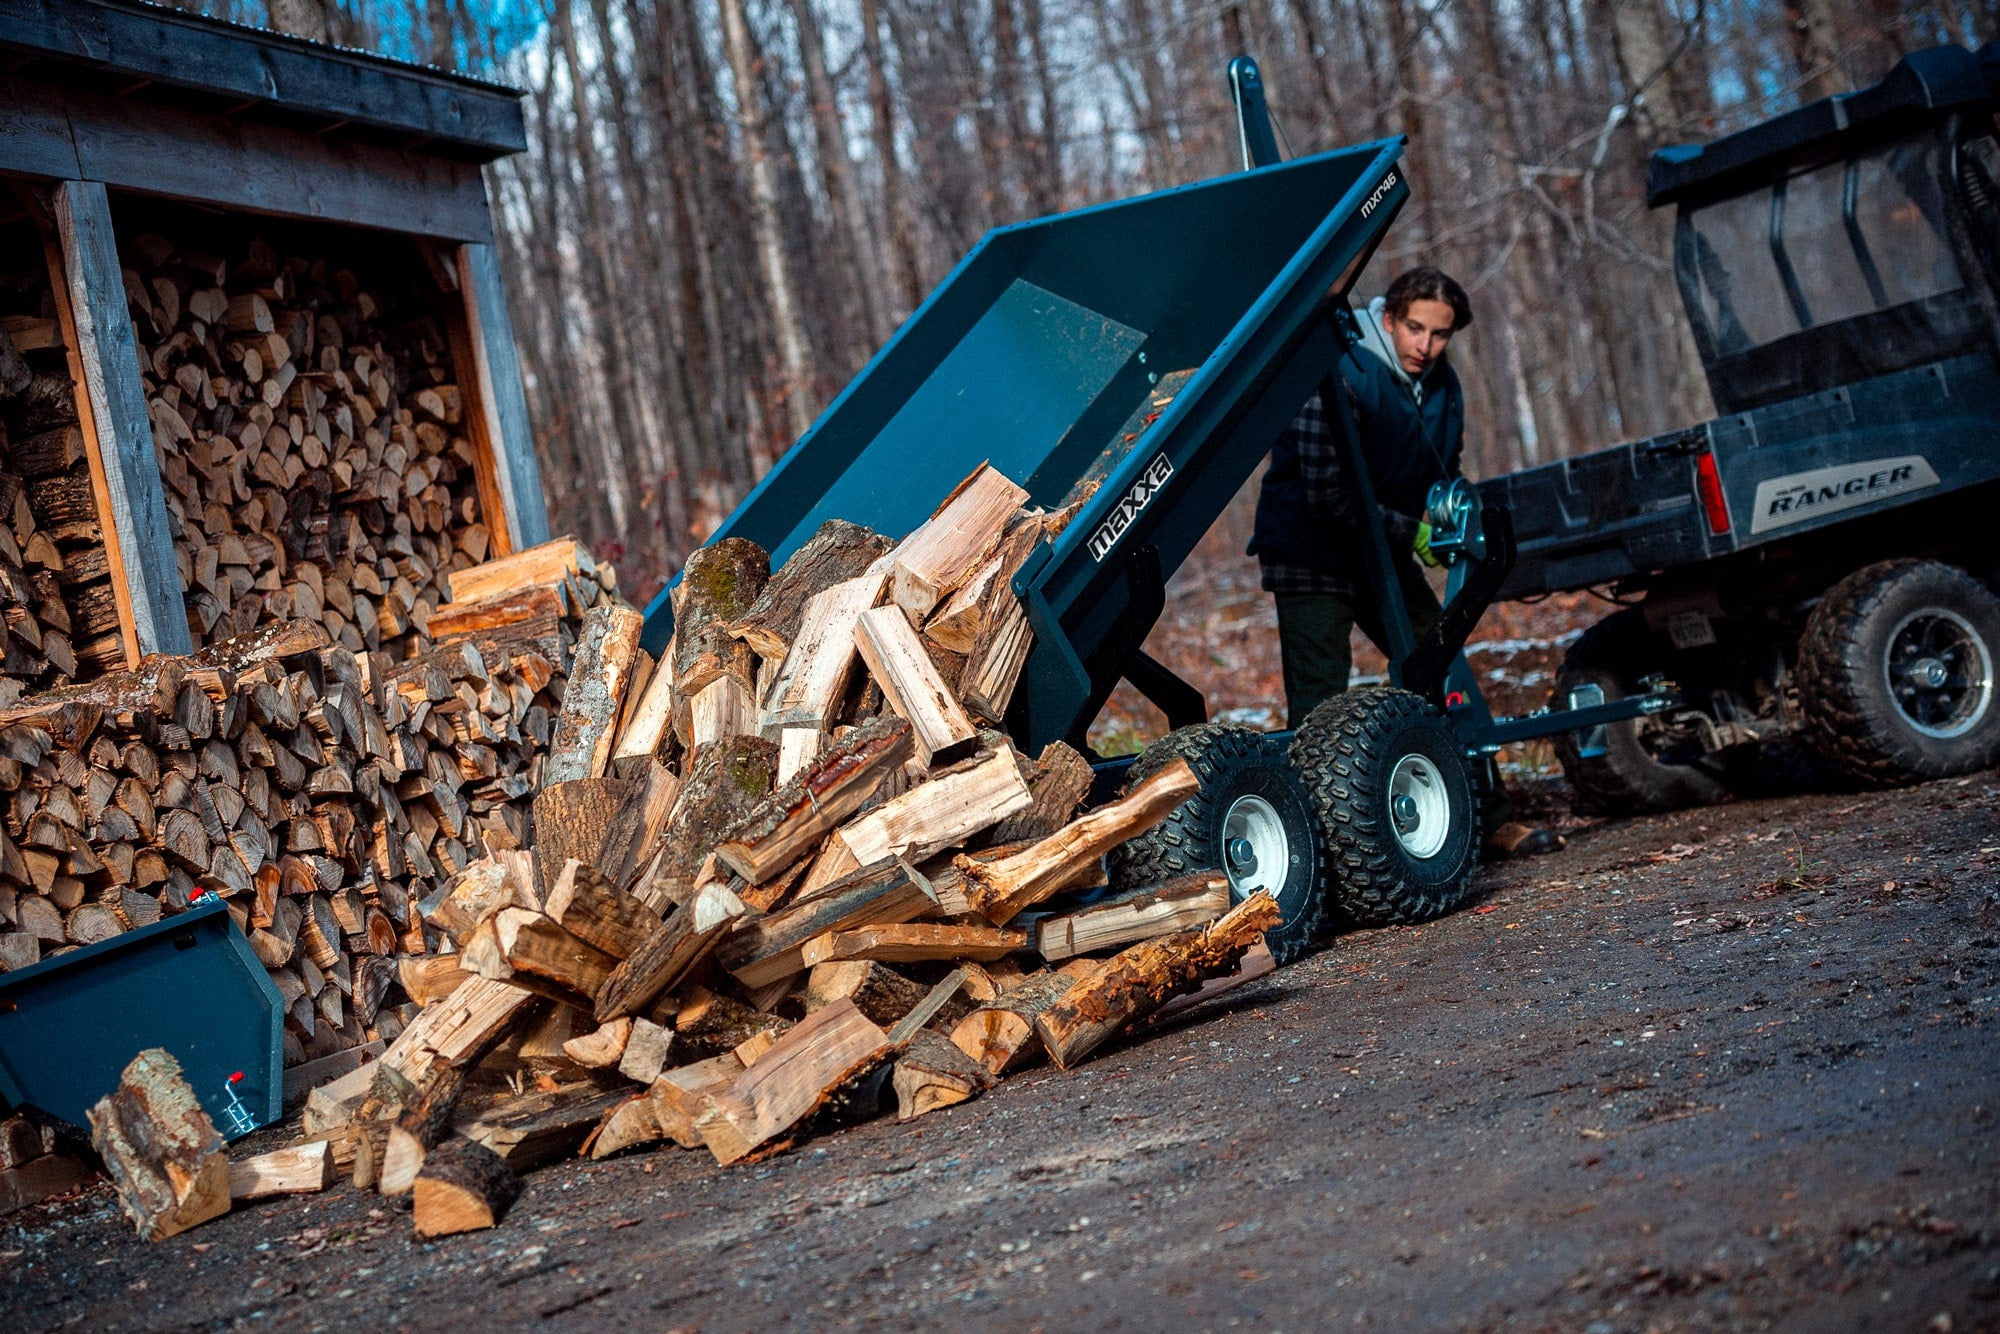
[
  {"x": 1419, "y": 809},
  {"x": 1939, "y": 673},
  {"x": 1255, "y": 852}
]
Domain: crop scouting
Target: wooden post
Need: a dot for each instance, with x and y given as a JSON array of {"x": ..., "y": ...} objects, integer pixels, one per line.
[
  {"x": 508, "y": 459},
  {"x": 124, "y": 471}
]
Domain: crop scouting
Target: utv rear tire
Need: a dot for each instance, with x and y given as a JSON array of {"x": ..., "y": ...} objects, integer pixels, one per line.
[
  {"x": 1251, "y": 820},
  {"x": 1393, "y": 796},
  {"x": 1629, "y": 778},
  {"x": 1896, "y": 673}
]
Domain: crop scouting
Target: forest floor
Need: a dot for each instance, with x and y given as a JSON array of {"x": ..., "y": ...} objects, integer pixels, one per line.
[{"x": 1734, "y": 1068}]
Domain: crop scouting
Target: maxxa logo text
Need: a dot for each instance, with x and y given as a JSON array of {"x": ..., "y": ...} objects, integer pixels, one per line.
[{"x": 1142, "y": 492}]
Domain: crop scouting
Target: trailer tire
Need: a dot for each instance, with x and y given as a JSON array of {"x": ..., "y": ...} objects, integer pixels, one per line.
[
  {"x": 1251, "y": 820},
  {"x": 1393, "y": 795},
  {"x": 1628, "y": 778},
  {"x": 1897, "y": 673}
]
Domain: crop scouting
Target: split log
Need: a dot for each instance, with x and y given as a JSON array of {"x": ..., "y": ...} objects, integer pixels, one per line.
[
  {"x": 1258, "y": 962},
  {"x": 709, "y": 1024},
  {"x": 725, "y": 782},
  {"x": 910, "y": 682},
  {"x": 793, "y": 820},
  {"x": 719, "y": 585},
  {"x": 1000, "y": 1034},
  {"x": 943, "y": 553},
  {"x": 790, "y": 1080},
  {"x": 429, "y": 978},
  {"x": 543, "y": 1128},
  {"x": 1000, "y": 889},
  {"x": 814, "y": 675},
  {"x": 1159, "y": 910},
  {"x": 1000, "y": 648},
  {"x": 878, "y": 991},
  {"x": 631, "y": 1123},
  {"x": 646, "y": 724},
  {"x": 464, "y": 1187},
  {"x": 837, "y": 552},
  {"x": 647, "y": 1048},
  {"x": 163, "y": 1153},
  {"x": 458, "y": 1030},
  {"x": 302, "y": 1169},
  {"x": 933, "y": 1074},
  {"x": 1146, "y": 976},
  {"x": 471, "y": 896},
  {"x": 957, "y": 625},
  {"x": 1058, "y": 781},
  {"x": 674, "y": 948},
  {"x": 930, "y": 1007},
  {"x": 21, "y": 1141},
  {"x": 527, "y": 949},
  {"x": 773, "y": 947},
  {"x": 680, "y": 1095},
  {"x": 585, "y": 903},
  {"x": 723, "y": 708},
  {"x": 595, "y": 696},
  {"x": 601, "y": 1048},
  {"x": 954, "y": 805},
  {"x": 425, "y": 1116},
  {"x": 44, "y": 1177},
  {"x": 635, "y": 833},
  {"x": 914, "y": 942},
  {"x": 573, "y": 820},
  {"x": 534, "y": 567}
]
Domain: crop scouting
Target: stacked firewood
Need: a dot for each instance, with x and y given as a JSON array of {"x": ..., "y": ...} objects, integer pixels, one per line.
[
  {"x": 315, "y": 459},
  {"x": 61, "y": 618},
  {"x": 780, "y": 879},
  {"x": 322, "y": 794}
]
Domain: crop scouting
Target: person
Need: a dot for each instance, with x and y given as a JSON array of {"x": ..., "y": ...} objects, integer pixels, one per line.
[{"x": 1409, "y": 413}]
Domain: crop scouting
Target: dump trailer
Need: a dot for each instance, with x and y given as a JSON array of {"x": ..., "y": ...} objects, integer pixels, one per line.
[
  {"x": 1138, "y": 359},
  {"x": 1813, "y": 564}
]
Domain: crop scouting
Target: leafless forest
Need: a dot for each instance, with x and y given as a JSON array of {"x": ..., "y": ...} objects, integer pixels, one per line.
[{"x": 728, "y": 205}]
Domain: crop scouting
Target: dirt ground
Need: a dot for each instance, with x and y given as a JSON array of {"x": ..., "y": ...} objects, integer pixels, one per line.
[{"x": 1728, "y": 1069}]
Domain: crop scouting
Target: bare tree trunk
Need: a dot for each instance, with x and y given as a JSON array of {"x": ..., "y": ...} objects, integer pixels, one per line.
[
  {"x": 1816, "y": 48},
  {"x": 793, "y": 347},
  {"x": 882, "y": 115},
  {"x": 850, "y": 215},
  {"x": 1049, "y": 143},
  {"x": 606, "y": 315},
  {"x": 300, "y": 18}
]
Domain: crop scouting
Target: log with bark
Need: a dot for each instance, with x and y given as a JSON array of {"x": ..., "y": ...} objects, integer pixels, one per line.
[
  {"x": 163, "y": 1153},
  {"x": 1143, "y": 978}
]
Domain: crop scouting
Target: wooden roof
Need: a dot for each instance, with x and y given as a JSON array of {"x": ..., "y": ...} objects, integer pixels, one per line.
[{"x": 237, "y": 73}]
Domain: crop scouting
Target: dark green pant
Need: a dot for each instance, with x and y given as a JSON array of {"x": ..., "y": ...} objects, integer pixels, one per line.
[{"x": 1315, "y": 631}]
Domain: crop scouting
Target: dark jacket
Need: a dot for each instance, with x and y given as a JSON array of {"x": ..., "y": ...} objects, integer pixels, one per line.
[{"x": 1309, "y": 531}]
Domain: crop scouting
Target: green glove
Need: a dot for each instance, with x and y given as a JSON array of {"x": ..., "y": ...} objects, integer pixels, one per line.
[{"x": 1422, "y": 545}]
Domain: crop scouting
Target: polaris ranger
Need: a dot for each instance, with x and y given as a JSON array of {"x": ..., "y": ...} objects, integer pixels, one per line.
[{"x": 1817, "y": 560}]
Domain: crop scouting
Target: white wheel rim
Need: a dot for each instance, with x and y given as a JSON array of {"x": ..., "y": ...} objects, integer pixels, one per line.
[
  {"x": 1939, "y": 673},
  {"x": 1419, "y": 810},
  {"x": 1255, "y": 852}
]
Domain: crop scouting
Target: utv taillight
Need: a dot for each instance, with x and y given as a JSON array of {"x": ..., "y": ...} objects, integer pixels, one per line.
[{"x": 1708, "y": 484}]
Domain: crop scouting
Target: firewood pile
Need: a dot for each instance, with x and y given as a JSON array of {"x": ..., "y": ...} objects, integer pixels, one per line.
[
  {"x": 61, "y": 618},
  {"x": 314, "y": 453},
  {"x": 322, "y": 794},
  {"x": 785, "y": 877}
]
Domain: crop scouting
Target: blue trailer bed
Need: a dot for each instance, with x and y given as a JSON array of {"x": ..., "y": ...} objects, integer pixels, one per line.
[{"x": 1038, "y": 353}]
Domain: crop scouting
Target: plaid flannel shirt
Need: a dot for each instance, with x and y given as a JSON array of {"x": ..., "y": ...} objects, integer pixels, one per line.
[{"x": 1327, "y": 495}]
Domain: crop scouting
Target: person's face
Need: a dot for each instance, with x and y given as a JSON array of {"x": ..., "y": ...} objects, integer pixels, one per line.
[{"x": 1420, "y": 334}]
